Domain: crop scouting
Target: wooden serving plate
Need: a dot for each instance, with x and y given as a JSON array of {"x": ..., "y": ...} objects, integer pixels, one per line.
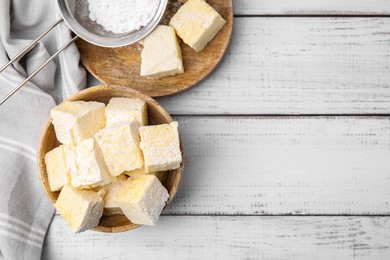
[
  {"x": 121, "y": 66},
  {"x": 156, "y": 114}
]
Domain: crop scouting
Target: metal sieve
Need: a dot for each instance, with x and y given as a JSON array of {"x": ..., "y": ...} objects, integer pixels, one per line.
[{"x": 75, "y": 14}]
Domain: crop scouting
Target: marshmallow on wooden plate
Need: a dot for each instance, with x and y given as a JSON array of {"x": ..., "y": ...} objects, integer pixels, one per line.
[
  {"x": 161, "y": 55},
  {"x": 196, "y": 23}
]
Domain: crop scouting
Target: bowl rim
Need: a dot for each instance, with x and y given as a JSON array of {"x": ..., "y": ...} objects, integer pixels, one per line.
[{"x": 41, "y": 162}]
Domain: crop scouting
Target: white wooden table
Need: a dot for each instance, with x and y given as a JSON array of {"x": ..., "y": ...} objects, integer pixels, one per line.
[{"x": 287, "y": 145}]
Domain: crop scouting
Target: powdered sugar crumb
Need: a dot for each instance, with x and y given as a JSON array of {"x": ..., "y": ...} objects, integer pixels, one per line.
[{"x": 122, "y": 16}]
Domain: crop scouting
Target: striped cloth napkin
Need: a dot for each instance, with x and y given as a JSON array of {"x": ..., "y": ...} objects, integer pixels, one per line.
[{"x": 25, "y": 212}]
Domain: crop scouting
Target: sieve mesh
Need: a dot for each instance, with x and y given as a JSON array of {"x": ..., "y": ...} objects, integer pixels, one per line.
[{"x": 80, "y": 13}]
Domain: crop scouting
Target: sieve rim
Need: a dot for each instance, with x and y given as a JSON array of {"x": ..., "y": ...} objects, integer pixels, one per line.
[{"x": 110, "y": 42}]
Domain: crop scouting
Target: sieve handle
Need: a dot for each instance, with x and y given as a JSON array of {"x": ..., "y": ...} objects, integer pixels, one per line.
[
  {"x": 25, "y": 50},
  {"x": 30, "y": 46}
]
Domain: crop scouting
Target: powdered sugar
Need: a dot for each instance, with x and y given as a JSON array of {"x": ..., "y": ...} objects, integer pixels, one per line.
[{"x": 122, "y": 16}]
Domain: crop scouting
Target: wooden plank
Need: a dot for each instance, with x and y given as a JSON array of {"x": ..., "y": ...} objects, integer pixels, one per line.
[
  {"x": 284, "y": 165},
  {"x": 297, "y": 66},
  {"x": 308, "y": 7},
  {"x": 192, "y": 237}
]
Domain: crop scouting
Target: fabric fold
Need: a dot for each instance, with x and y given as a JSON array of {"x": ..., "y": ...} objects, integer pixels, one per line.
[{"x": 25, "y": 212}]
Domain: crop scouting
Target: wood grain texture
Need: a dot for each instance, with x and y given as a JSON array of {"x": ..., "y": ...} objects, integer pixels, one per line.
[
  {"x": 297, "y": 66},
  {"x": 284, "y": 165},
  {"x": 276, "y": 165},
  {"x": 229, "y": 238},
  {"x": 156, "y": 115},
  {"x": 121, "y": 66},
  {"x": 308, "y": 7}
]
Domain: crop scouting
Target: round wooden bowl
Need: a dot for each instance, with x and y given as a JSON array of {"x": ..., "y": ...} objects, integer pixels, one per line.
[{"x": 156, "y": 114}]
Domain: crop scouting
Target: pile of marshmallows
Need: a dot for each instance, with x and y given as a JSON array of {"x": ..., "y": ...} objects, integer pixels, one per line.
[
  {"x": 196, "y": 23},
  {"x": 109, "y": 162}
]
